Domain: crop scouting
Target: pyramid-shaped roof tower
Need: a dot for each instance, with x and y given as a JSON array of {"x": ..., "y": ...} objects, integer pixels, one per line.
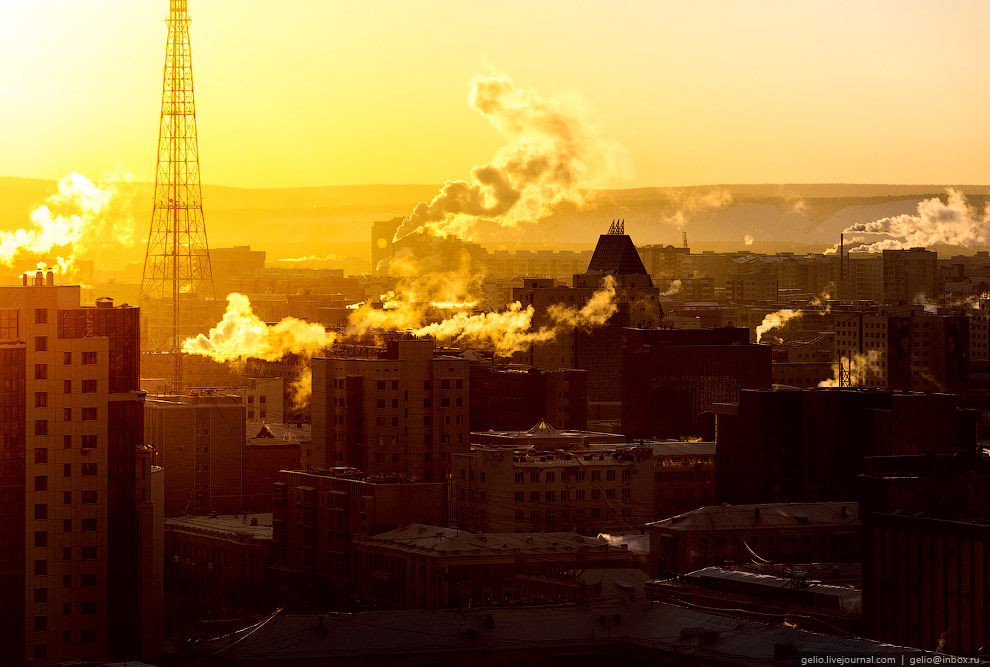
[{"x": 616, "y": 254}]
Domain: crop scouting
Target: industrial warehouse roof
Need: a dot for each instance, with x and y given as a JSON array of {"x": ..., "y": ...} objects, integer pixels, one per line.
[
  {"x": 419, "y": 538},
  {"x": 771, "y": 515},
  {"x": 665, "y": 629}
]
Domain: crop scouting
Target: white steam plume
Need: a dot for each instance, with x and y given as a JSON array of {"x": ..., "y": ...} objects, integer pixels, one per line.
[
  {"x": 312, "y": 258},
  {"x": 674, "y": 288},
  {"x": 860, "y": 368},
  {"x": 775, "y": 320},
  {"x": 241, "y": 335},
  {"x": 551, "y": 156},
  {"x": 80, "y": 219},
  {"x": 953, "y": 222}
]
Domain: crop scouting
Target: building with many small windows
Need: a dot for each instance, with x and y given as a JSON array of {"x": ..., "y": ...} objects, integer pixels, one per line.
[
  {"x": 403, "y": 412},
  {"x": 72, "y": 581},
  {"x": 317, "y": 514},
  {"x": 591, "y": 489}
]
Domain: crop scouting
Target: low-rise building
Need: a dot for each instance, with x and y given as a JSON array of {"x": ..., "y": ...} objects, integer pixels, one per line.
[
  {"x": 778, "y": 532},
  {"x": 219, "y": 559},
  {"x": 317, "y": 514},
  {"x": 610, "y": 487},
  {"x": 615, "y": 632},
  {"x": 429, "y": 567}
]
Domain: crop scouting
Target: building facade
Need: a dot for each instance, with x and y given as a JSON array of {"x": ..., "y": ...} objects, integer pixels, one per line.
[
  {"x": 402, "y": 413},
  {"x": 71, "y": 425},
  {"x": 671, "y": 377}
]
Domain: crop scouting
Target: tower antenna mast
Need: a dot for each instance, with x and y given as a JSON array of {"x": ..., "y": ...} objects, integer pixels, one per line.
[{"x": 177, "y": 269}]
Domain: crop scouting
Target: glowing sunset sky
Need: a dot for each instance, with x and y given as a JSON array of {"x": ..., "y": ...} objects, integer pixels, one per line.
[{"x": 313, "y": 92}]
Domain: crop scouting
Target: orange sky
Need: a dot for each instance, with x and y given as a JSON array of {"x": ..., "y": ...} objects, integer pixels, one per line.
[{"x": 312, "y": 92}]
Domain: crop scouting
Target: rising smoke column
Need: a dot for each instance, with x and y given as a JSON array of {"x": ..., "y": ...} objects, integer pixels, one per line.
[
  {"x": 776, "y": 320},
  {"x": 551, "y": 156},
  {"x": 953, "y": 222},
  {"x": 80, "y": 219},
  {"x": 860, "y": 368},
  {"x": 510, "y": 330},
  {"x": 241, "y": 335}
]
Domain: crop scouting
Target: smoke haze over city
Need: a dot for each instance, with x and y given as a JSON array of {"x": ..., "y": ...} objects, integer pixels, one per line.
[{"x": 533, "y": 333}]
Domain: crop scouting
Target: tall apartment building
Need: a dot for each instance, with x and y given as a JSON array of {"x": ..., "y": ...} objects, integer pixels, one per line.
[
  {"x": 402, "y": 413},
  {"x": 926, "y": 552},
  {"x": 908, "y": 274},
  {"x": 862, "y": 277},
  {"x": 801, "y": 445},
  {"x": 663, "y": 261},
  {"x": 70, "y": 425},
  {"x": 751, "y": 286},
  {"x": 904, "y": 347},
  {"x": 201, "y": 443},
  {"x": 670, "y": 377}
]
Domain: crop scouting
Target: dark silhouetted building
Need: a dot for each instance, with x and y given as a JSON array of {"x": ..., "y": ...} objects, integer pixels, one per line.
[
  {"x": 926, "y": 552},
  {"x": 670, "y": 377},
  {"x": 793, "y": 445},
  {"x": 428, "y": 567},
  {"x": 597, "y": 349},
  {"x": 778, "y": 532},
  {"x": 317, "y": 515},
  {"x": 516, "y": 398}
]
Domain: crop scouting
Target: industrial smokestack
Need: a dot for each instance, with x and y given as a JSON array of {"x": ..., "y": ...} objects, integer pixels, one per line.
[
  {"x": 39, "y": 278},
  {"x": 842, "y": 259},
  {"x": 50, "y": 278}
]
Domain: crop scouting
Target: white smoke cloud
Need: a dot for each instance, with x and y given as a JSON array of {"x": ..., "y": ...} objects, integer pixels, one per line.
[
  {"x": 551, "y": 156},
  {"x": 79, "y": 220},
  {"x": 953, "y": 222},
  {"x": 674, "y": 288},
  {"x": 241, "y": 335},
  {"x": 311, "y": 258},
  {"x": 775, "y": 320},
  {"x": 860, "y": 368},
  {"x": 748, "y": 240}
]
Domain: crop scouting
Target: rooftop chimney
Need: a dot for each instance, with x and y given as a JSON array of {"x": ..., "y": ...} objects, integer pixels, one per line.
[
  {"x": 39, "y": 278},
  {"x": 50, "y": 278}
]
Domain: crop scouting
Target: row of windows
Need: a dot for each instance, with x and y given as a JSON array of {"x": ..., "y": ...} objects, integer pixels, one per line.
[
  {"x": 41, "y": 370},
  {"x": 552, "y": 496},
  {"x": 687, "y": 475},
  {"x": 41, "y": 453},
  {"x": 86, "y": 553},
  {"x": 565, "y": 476}
]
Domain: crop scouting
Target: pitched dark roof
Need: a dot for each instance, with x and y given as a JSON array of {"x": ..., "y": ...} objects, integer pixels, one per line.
[{"x": 616, "y": 255}]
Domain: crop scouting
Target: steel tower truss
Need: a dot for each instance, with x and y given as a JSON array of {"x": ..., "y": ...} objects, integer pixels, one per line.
[{"x": 177, "y": 263}]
